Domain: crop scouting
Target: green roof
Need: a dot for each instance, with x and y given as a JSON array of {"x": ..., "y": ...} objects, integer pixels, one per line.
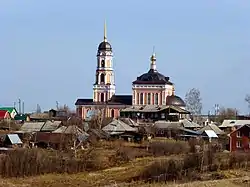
[
  {"x": 9, "y": 109},
  {"x": 20, "y": 117}
]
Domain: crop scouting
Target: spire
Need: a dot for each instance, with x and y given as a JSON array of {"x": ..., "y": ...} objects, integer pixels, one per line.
[
  {"x": 105, "y": 31},
  {"x": 153, "y": 60}
]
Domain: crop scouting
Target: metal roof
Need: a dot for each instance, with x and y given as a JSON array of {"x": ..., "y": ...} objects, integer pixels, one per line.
[
  {"x": 50, "y": 125},
  {"x": 32, "y": 126},
  {"x": 118, "y": 126},
  {"x": 212, "y": 127},
  {"x": 14, "y": 139},
  {"x": 189, "y": 124},
  {"x": 233, "y": 123},
  {"x": 129, "y": 122},
  {"x": 154, "y": 108},
  {"x": 211, "y": 134},
  {"x": 161, "y": 124}
]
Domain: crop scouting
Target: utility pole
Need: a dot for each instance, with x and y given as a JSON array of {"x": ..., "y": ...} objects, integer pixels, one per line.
[
  {"x": 236, "y": 114},
  {"x": 216, "y": 111},
  {"x": 19, "y": 105},
  {"x": 23, "y": 107},
  {"x": 216, "y": 106},
  {"x": 57, "y": 105}
]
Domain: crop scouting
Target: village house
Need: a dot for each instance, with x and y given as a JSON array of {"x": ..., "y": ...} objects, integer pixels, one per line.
[
  {"x": 231, "y": 125},
  {"x": 4, "y": 115},
  {"x": 13, "y": 112},
  {"x": 240, "y": 139}
]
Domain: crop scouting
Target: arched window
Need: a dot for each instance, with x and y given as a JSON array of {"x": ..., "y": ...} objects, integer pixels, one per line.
[
  {"x": 156, "y": 99},
  {"x": 96, "y": 79},
  {"x": 102, "y": 78},
  {"x": 149, "y": 98},
  {"x": 137, "y": 99},
  {"x": 141, "y": 98},
  {"x": 102, "y": 97},
  {"x": 103, "y": 63},
  {"x": 112, "y": 113}
]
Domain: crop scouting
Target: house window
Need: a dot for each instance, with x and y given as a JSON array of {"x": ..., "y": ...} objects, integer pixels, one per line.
[
  {"x": 153, "y": 96},
  {"x": 141, "y": 98},
  {"x": 102, "y": 78},
  {"x": 149, "y": 98},
  {"x": 238, "y": 144},
  {"x": 156, "y": 98},
  {"x": 142, "y": 116},
  {"x": 102, "y": 63},
  {"x": 238, "y": 134},
  {"x": 162, "y": 115}
]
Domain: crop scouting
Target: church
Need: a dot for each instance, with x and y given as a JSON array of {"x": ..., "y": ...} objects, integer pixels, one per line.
[
  {"x": 154, "y": 98},
  {"x": 153, "y": 94},
  {"x": 104, "y": 98}
]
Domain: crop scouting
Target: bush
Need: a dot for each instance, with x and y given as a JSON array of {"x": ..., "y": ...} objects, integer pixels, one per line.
[
  {"x": 160, "y": 148},
  {"x": 125, "y": 154},
  {"x": 28, "y": 162},
  {"x": 163, "y": 170},
  {"x": 192, "y": 165}
]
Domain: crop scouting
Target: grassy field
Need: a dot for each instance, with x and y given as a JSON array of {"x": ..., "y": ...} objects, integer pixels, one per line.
[
  {"x": 122, "y": 176},
  {"x": 123, "y": 164}
]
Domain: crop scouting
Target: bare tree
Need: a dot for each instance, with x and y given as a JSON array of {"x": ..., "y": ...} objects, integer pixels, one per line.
[
  {"x": 193, "y": 101},
  {"x": 247, "y": 99},
  {"x": 226, "y": 113},
  {"x": 97, "y": 119}
]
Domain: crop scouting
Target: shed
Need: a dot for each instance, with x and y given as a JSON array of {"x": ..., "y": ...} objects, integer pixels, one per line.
[
  {"x": 10, "y": 139},
  {"x": 14, "y": 139}
]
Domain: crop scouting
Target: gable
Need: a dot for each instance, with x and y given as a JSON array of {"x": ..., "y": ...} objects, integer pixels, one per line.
[{"x": 4, "y": 114}]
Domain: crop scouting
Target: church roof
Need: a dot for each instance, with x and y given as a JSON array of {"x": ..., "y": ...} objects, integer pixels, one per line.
[
  {"x": 114, "y": 100},
  {"x": 152, "y": 77},
  {"x": 175, "y": 101},
  {"x": 104, "y": 46}
]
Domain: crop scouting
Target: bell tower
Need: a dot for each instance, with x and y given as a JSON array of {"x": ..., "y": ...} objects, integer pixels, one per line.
[{"x": 104, "y": 86}]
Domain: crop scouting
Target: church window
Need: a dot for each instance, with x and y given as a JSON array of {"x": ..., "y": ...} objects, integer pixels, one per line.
[
  {"x": 137, "y": 98},
  {"x": 108, "y": 78},
  {"x": 103, "y": 63},
  {"x": 102, "y": 97},
  {"x": 149, "y": 98},
  {"x": 102, "y": 78},
  {"x": 112, "y": 113},
  {"x": 141, "y": 98},
  {"x": 156, "y": 99},
  {"x": 96, "y": 79}
]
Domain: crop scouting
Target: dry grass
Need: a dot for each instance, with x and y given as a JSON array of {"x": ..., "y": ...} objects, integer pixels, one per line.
[
  {"x": 122, "y": 164},
  {"x": 120, "y": 176}
]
